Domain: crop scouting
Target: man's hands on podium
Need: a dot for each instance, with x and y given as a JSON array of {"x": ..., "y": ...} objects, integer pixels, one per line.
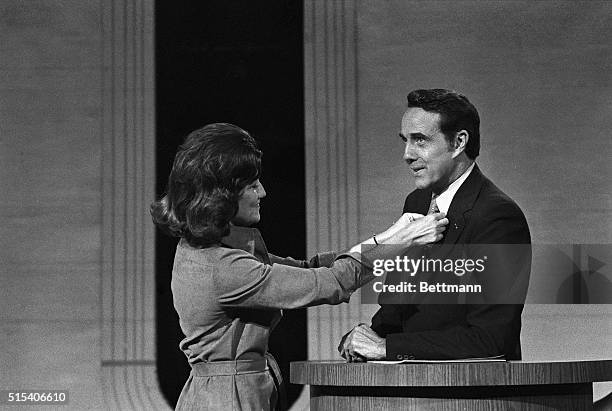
[{"x": 362, "y": 344}]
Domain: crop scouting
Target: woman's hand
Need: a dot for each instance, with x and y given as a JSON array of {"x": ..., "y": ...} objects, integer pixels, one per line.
[
  {"x": 410, "y": 230},
  {"x": 415, "y": 229}
]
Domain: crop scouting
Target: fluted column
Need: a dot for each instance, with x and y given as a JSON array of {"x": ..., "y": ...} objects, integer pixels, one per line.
[
  {"x": 332, "y": 152},
  {"x": 128, "y": 187}
]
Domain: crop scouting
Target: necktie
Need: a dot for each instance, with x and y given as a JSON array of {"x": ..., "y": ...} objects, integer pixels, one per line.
[{"x": 433, "y": 206}]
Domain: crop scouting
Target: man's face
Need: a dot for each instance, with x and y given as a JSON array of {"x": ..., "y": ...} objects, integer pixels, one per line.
[{"x": 427, "y": 152}]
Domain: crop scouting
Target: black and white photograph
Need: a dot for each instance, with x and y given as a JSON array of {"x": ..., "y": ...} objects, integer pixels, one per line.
[{"x": 306, "y": 205}]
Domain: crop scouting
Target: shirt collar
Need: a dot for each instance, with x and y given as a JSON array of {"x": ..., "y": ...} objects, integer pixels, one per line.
[
  {"x": 443, "y": 201},
  {"x": 245, "y": 238}
]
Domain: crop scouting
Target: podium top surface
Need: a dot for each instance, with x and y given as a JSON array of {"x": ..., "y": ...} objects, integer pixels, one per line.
[{"x": 452, "y": 374}]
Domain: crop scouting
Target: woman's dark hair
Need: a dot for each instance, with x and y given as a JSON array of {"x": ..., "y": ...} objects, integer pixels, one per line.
[
  {"x": 456, "y": 113},
  {"x": 210, "y": 170}
]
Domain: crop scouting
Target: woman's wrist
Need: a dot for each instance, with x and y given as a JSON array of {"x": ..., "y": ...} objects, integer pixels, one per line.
[
  {"x": 385, "y": 237},
  {"x": 370, "y": 241}
]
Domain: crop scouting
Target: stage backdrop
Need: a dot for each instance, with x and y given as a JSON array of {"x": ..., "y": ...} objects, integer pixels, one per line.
[
  {"x": 76, "y": 145},
  {"x": 539, "y": 74},
  {"x": 76, "y": 163}
]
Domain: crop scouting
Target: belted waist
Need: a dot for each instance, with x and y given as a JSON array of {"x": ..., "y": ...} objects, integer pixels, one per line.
[{"x": 209, "y": 369}]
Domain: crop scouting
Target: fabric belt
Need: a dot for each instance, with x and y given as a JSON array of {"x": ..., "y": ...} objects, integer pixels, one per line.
[
  {"x": 209, "y": 369},
  {"x": 218, "y": 368}
]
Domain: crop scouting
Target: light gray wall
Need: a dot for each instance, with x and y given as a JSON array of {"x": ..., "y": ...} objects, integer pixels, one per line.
[
  {"x": 539, "y": 73},
  {"x": 76, "y": 177},
  {"x": 50, "y": 204}
]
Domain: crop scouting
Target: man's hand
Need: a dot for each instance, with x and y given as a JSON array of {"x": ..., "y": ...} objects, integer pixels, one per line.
[{"x": 361, "y": 344}]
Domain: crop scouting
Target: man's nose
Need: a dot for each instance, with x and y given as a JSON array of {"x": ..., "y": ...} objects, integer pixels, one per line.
[{"x": 409, "y": 154}]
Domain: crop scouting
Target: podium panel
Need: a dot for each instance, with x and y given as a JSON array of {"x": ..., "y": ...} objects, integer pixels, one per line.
[{"x": 515, "y": 385}]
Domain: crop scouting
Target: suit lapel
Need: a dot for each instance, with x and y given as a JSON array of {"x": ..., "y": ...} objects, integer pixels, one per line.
[
  {"x": 463, "y": 201},
  {"x": 459, "y": 210},
  {"x": 419, "y": 203}
]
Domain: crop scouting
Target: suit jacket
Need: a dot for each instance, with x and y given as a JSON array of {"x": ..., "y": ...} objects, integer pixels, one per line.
[{"x": 480, "y": 213}]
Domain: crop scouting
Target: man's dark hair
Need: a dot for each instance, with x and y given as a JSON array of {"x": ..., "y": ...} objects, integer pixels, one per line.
[
  {"x": 456, "y": 113},
  {"x": 210, "y": 170}
]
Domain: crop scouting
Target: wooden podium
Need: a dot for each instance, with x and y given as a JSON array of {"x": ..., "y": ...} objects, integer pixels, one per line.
[{"x": 508, "y": 385}]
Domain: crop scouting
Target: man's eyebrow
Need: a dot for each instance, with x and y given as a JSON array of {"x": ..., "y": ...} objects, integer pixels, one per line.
[{"x": 414, "y": 135}]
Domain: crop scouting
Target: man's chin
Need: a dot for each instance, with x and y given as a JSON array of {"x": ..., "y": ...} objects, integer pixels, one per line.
[{"x": 421, "y": 184}]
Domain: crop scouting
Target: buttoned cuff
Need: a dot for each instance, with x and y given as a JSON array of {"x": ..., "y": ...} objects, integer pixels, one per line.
[
  {"x": 396, "y": 349},
  {"x": 369, "y": 253}
]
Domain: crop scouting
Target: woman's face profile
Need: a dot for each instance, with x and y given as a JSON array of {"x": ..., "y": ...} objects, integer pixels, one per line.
[{"x": 248, "y": 204}]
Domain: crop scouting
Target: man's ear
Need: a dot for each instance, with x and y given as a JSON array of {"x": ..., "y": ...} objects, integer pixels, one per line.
[{"x": 461, "y": 139}]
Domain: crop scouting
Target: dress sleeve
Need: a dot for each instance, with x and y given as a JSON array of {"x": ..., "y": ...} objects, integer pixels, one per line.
[
  {"x": 319, "y": 260},
  {"x": 243, "y": 281}
]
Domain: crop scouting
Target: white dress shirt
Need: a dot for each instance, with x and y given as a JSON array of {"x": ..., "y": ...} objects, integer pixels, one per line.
[{"x": 443, "y": 201}]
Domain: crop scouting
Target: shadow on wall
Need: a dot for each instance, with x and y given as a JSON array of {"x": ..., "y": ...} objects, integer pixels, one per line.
[{"x": 242, "y": 63}]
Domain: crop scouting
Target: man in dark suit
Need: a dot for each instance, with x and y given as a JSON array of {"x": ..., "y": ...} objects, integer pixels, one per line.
[{"x": 440, "y": 129}]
